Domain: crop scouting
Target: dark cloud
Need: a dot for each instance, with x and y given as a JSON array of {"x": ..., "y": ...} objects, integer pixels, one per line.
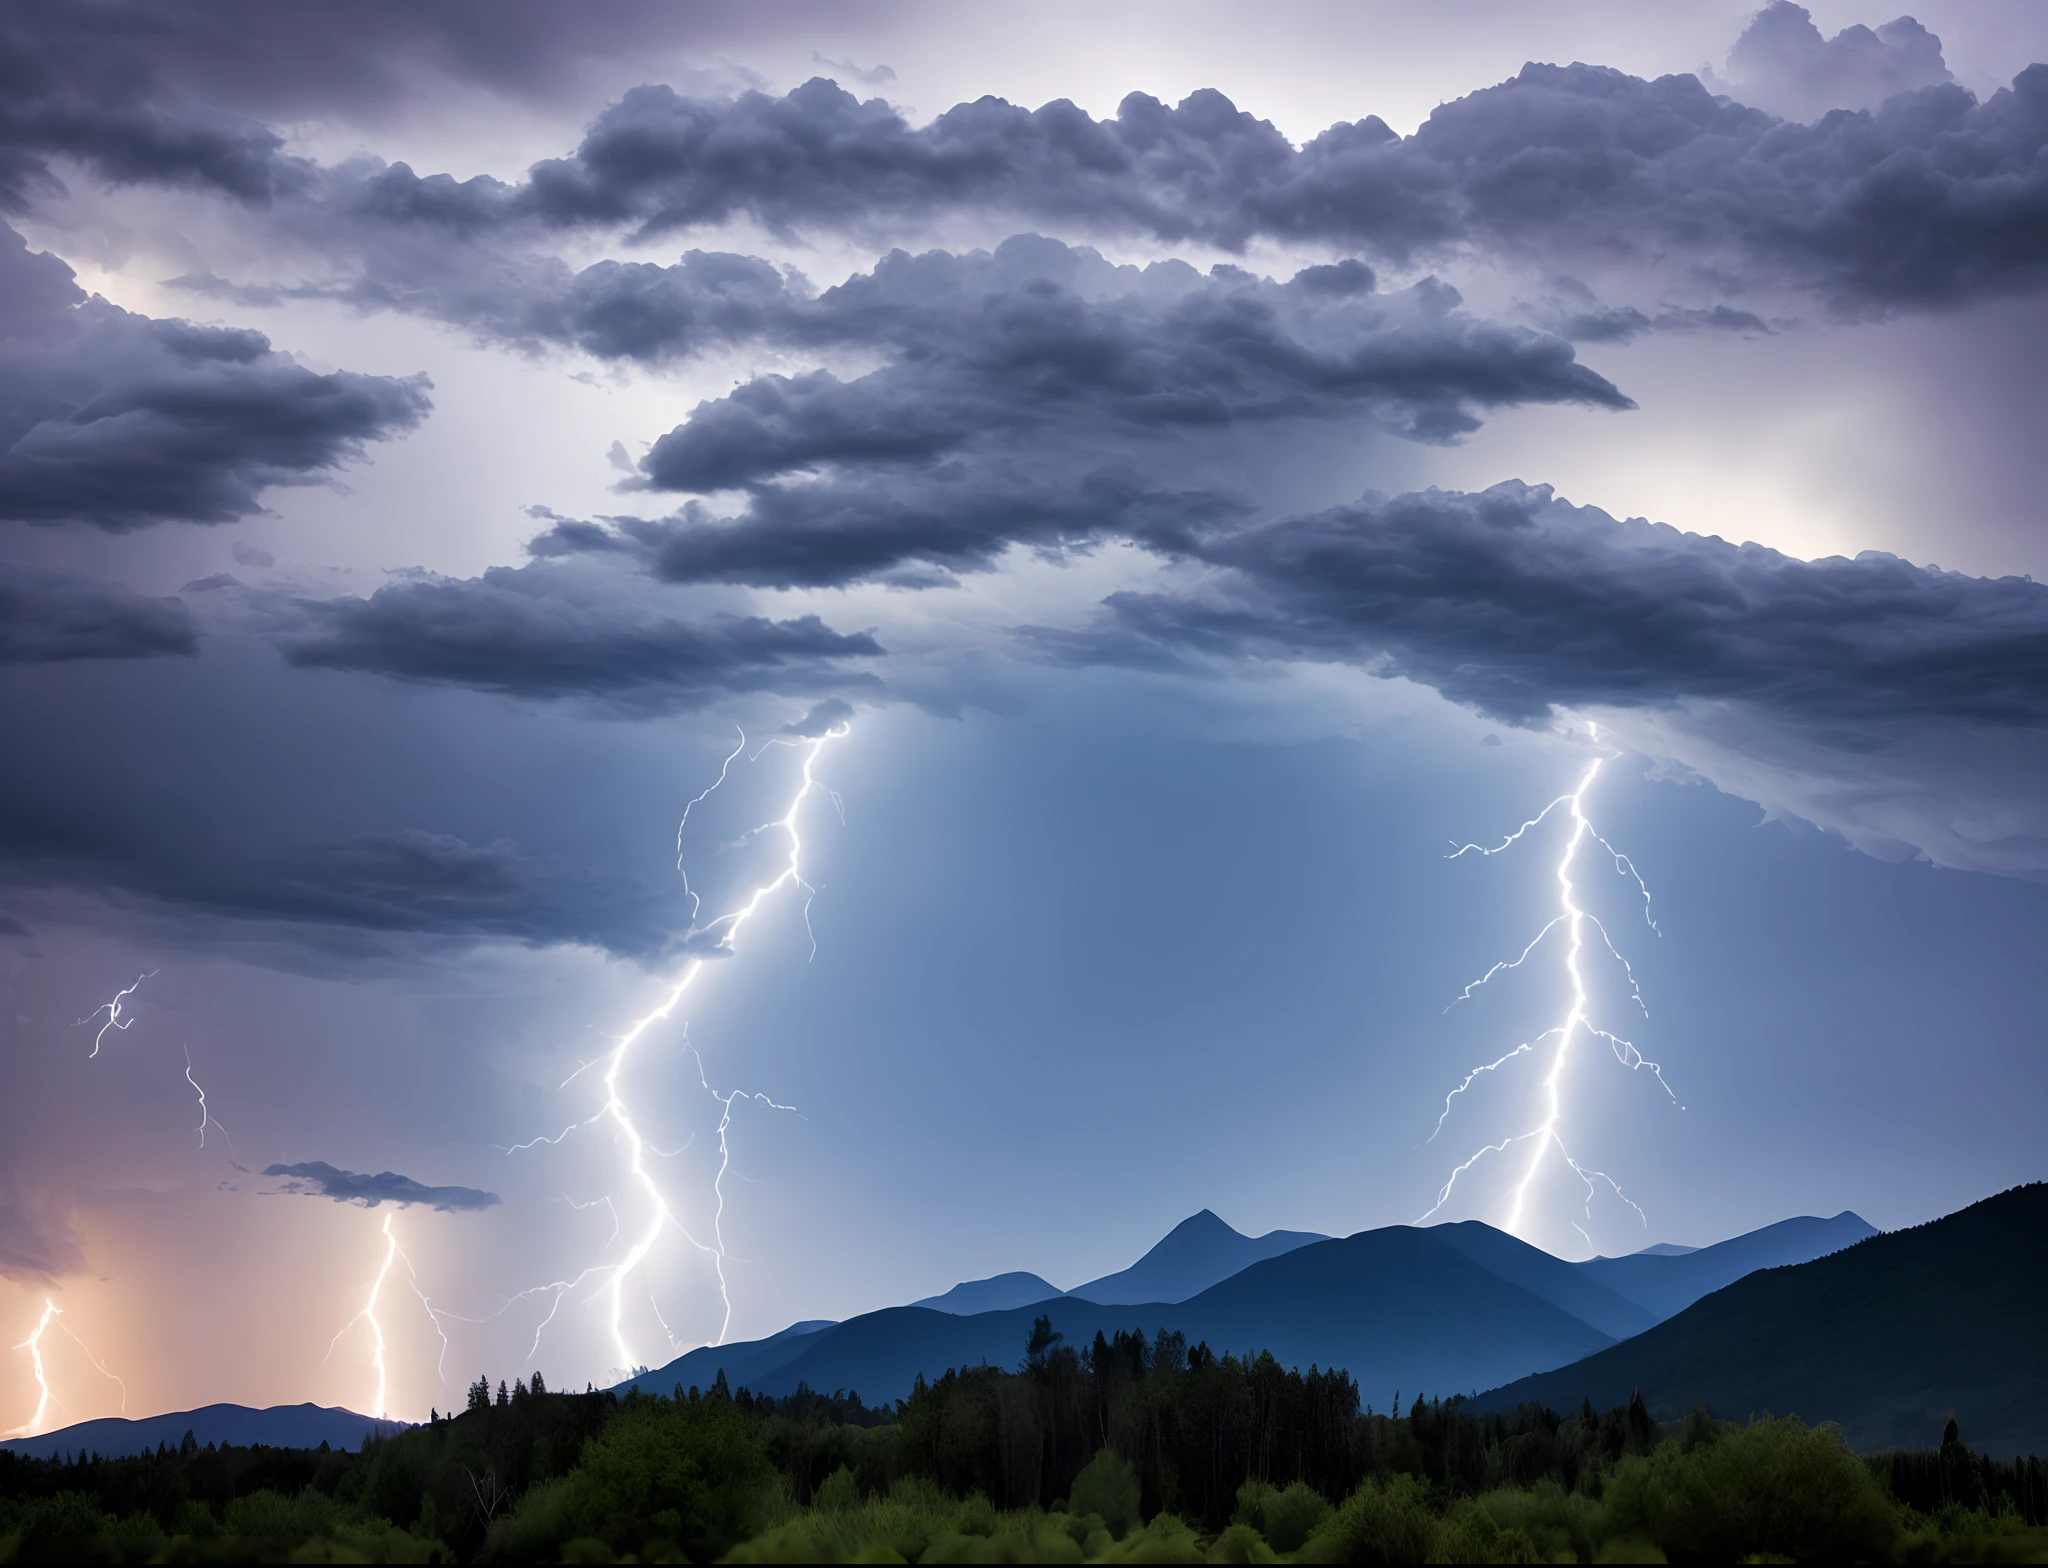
[
  {"x": 1783, "y": 64},
  {"x": 294, "y": 61},
  {"x": 823, "y": 718},
  {"x": 1904, "y": 705},
  {"x": 119, "y": 420},
  {"x": 909, "y": 528},
  {"x": 1035, "y": 396},
  {"x": 70, "y": 90},
  {"x": 1517, "y": 603},
  {"x": 47, "y": 617},
  {"x": 1573, "y": 311},
  {"x": 378, "y": 897},
  {"x": 318, "y": 1179},
  {"x": 1927, "y": 198},
  {"x": 1924, "y": 198},
  {"x": 558, "y": 630}
]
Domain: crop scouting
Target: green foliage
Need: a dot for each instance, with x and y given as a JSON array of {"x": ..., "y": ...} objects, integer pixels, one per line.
[
  {"x": 1382, "y": 1522},
  {"x": 1774, "y": 1486},
  {"x": 1107, "y": 1487},
  {"x": 1148, "y": 1445},
  {"x": 1285, "y": 1517},
  {"x": 689, "y": 1475}
]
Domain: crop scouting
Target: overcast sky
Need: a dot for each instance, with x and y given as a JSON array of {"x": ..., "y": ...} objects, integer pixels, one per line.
[{"x": 1172, "y": 475}]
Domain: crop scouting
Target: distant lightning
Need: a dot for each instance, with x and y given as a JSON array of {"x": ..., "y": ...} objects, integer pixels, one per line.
[
  {"x": 206, "y": 1117},
  {"x": 718, "y": 1182},
  {"x": 393, "y": 1253},
  {"x": 44, "y": 1398},
  {"x": 714, "y": 938},
  {"x": 115, "y": 1011},
  {"x": 1545, "y": 1136}
]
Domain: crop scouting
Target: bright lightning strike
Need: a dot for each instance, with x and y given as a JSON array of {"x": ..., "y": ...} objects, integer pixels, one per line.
[
  {"x": 45, "y": 1399},
  {"x": 116, "y": 1015},
  {"x": 393, "y": 1253},
  {"x": 1546, "y": 1137},
  {"x": 715, "y": 938}
]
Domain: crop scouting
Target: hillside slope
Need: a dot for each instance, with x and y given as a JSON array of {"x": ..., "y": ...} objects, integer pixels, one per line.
[
  {"x": 1885, "y": 1338},
  {"x": 1668, "y": 1282}
]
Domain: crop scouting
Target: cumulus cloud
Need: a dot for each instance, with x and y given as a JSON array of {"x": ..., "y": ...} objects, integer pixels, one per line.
[
  {"x": 1783, "y": 64},
  {"x": 118, "y": 420},
  {"x": 564, "y": 630},
  {"x": 1033, "y": 397},
  {"x": 68, "y": 91},
  {"x": 1741, "y": 661},
  {"x": 47, "y": 617},
  {"x": 1913, "y": 195},
  {"x": 1926, "y": 198},
  {"x": 318, "y": 1179}
]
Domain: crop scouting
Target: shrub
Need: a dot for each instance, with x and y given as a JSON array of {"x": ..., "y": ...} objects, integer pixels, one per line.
[
  {"x": 1108, "y": 1488},
  {"x": 1773, "y": 1487},
  {"x": 1382, "y": 1522}
]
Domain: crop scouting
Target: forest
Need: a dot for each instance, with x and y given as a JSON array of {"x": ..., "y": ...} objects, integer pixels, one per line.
[{"x": 1129, "y": 1449}]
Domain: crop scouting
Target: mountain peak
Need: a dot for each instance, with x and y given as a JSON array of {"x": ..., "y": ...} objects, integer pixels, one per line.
[{"x": 1197, "y": 1253}]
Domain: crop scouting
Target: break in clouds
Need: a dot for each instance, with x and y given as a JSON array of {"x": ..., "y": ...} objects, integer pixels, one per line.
[{"x": 936, "y": 414}]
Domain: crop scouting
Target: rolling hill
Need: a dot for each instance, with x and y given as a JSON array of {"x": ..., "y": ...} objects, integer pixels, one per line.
[{"x": 1886, "y": 1338}]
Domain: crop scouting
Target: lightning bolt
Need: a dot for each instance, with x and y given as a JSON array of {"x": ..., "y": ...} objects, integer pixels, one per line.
[
  {"x": 1578, "y": 926},
  {"x": 114, "y": 1011},
  {"x": 34, "y": 1346},
  {"x": 393, "y": 1253},
  {"x": 718, "y": 1182},
  {"x": 206, "y": 1118},
  {"x": 713, "y": 939}
]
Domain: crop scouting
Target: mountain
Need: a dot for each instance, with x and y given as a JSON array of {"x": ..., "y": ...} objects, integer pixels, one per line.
[
  {"x": 1665, "y": 1282},
  {"x": 1886, "y": 1338},
  {"x": 1198, "y": 1252},
  {"x": 1663, "y": 1249},
  {"x": 280, "y": 1426},
  {"x": 1441, "y": 1309},
  {"x": 1560, "y": 1283},
  {"x": 998, "y": 1294}
]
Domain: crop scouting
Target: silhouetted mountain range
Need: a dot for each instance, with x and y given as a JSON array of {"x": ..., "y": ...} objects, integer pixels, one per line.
[
  {"x": 1198, "y": 1252},
  {"x": 997, "y": 1294},
  {"x": 1450, "y": 1308},
  {"x": 1886, "y": 1338},
  {"x": 280, "y": 1426},
  {"x": 1668, "y": 1282}
]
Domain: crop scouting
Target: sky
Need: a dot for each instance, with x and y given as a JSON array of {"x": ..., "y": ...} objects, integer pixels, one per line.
[{"x": 678, "y": 668}]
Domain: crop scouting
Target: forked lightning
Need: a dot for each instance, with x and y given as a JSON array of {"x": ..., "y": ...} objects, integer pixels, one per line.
[{"x": 1559, "y": 1039}]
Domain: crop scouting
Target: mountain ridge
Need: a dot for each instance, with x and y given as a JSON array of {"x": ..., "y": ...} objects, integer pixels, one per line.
[{"x": 1886, "y": 1338}]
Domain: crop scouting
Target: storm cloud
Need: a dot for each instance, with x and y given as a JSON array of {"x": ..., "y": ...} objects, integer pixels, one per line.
[
  {"x": 552, "y": 630},
  {"x": 318, "y": 1179},
  {"x": 1525, "y": 608},
  {"x": 1033, "y": 397},
  {"x": 47, "y": 617},
  {"x": 118, "y": 420},
  {"x": 1928, "y": 198}
]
